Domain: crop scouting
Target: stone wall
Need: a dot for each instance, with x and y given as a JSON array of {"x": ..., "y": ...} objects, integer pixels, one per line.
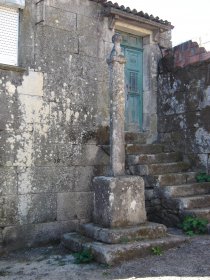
[
  {"x": 53, "y": 118},
  {"x": 184, "y": 102}
]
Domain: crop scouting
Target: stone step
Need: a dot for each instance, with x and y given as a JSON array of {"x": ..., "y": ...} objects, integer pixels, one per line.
[
  {"x": 153, "y": 158},
  {"x": 169, "y": 179},
  {"x": 185, "y": 190},
  {"x": 122, "y": 235},
  {"x": 116, "y": 253},
  {"x": 160, "y": 168},
  {"x": 176, "y": 178},
  {"x": 200, "y": 213},
  {"x": 133, "y": 149},
  {"x": 136, "y": 138},
  {"x": 191, "y": 202}
]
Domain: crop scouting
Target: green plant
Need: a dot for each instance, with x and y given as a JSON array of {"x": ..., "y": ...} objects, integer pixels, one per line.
[
  {"x": 202, "y": 177},
  {"x": 85, "y": 256},
  {"x": 157, "y": 251},
  {"x": 193, "y": 225}
]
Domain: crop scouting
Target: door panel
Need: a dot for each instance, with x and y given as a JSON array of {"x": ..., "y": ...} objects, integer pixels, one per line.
[{"x": 134, "y": 88}]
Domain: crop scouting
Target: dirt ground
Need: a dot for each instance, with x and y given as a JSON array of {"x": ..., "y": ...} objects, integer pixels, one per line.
[{"x": 190, "y": 261}]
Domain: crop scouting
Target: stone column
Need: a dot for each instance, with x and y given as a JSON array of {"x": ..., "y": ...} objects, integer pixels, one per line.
[
  {"x": 119, "y": 199},
  {"x": 117, "y": 118}
]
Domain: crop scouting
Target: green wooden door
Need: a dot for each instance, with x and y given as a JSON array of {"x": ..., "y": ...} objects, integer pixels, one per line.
[{"x": 132, "y": 47}]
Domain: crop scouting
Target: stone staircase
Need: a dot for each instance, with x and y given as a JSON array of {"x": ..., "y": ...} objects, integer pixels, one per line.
[{"x": 170, "y": 186}]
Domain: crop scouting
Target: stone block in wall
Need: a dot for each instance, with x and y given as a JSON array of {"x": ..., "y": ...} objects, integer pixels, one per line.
[
  {"x": 54, "y": 17},
  {"x": 194, "y": 98},
  {"x": 15, "y": 237},
  {"x": 8, "y": 210},
  {"x": 67, "y": 154},
  {"x": 171, "y": 100},
  {"x": 94, "y": 27},
  {"x": 37, "y": 208},
  {"x": 54, "y": 179},
  {"x": 81, "y": 7},
  {"x": 8, "y": 181},
  {"x": 53, "y": 48},
  {"x": 82, "y": 155},
  {"x": 91, "y": 46},
  {"x": 170, "y": 123},
  {"x": 83, "y": 178},
  {"x": 174, "y": 141},
  {"x": 198, "y": 140},
  {"x": 74, "y": 205},
  {"x": 9, "y": 106},
  {"x": 193, "y": 119},
  {"x": 89, "y": 68},
  {"x": 46, "y": 154},
  {"x": 7, "y": 149},
  {"x": 50, "y": 40},
  {"x": 76, "y": 114}
]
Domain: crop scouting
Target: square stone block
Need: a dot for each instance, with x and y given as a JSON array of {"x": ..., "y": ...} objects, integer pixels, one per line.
[{"x": 119, "y": 201}]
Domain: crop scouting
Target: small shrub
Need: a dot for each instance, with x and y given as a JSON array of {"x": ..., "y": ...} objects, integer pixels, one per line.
[
  {"x": 193, "y": 225},
  {"x": 85, "y": 256},
  {"x": 202, "y": 177},
  {"x": 157, "y": 251}
]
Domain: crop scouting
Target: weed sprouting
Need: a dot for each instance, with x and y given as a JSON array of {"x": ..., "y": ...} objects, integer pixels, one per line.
[
  {"x": 194, "y": 225},
  {"x": 157, "y": 251}
]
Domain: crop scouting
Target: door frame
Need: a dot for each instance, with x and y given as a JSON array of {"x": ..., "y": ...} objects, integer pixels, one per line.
[{"x": 136, "y": 46}]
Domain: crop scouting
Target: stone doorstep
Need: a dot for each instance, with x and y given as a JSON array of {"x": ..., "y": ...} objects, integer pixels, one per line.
[
  {"x": 116, "y": 253},
  {"x": 120, "y": 235}
]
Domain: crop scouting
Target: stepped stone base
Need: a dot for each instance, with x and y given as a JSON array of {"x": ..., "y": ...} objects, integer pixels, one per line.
[
  {"x": 116, "y": 253},
  {"x": 120, "y": 235}
]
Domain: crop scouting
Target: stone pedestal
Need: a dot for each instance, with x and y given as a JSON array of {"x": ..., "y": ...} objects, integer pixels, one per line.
[{"x": 119, "y": 201}]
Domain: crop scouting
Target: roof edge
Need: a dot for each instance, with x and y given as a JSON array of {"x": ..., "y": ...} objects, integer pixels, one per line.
[{"x": 115, "y": 8}]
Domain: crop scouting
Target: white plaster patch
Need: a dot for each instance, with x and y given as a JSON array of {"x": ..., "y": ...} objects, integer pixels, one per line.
[
  {"x": 24, "y": 204},
  {"x": 10, "y": 88},
  {"x": 32, "y": 84},
  {"x": 24, "y": 182}
]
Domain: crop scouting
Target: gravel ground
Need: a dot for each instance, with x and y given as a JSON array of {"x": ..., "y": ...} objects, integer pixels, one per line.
[{"x": 190, "y": 261}]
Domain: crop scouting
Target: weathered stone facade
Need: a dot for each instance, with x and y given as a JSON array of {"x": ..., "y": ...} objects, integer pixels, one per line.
[
  {"x": 184, "y": 103},
  {"x": 55, "y": 116}
]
